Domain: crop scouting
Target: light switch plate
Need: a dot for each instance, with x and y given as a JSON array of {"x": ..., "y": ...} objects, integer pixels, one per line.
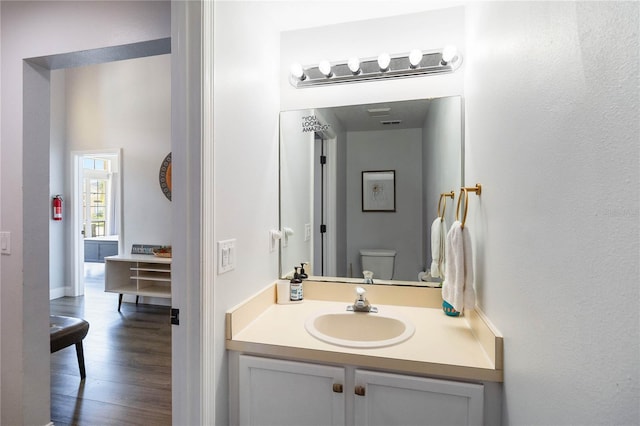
[
  {"x": 5, "y": 242},
  {"x": 307, "y": 231},
  {"x": 226, "y": 256}
]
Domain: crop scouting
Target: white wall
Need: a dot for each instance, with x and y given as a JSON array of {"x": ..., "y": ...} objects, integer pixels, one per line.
[
  {"x": 552, "y": 134},
  {"x": 296, "y": 183},
  {"x": 441, "y": 154},
  {"x": 33, "y": 29},
  {"x": 401, "y": 151},
  {"x": 58, "y": 276},
  {"x": 246, "y": 156},
  {"x": 127, "y": 105}
]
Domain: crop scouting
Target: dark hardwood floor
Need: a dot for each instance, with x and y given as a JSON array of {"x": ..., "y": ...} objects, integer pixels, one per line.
[{"x": 127, "y": 358}]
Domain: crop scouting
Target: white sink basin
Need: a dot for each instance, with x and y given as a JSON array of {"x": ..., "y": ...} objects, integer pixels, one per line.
[{"x": 359, "y": 329}]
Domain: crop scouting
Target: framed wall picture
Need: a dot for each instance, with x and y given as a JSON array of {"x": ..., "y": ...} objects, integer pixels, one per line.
[{"x": 379, "y": 191}]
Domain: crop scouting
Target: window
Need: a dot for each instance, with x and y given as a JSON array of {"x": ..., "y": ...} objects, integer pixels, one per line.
[{"x": 95, "y": 196}]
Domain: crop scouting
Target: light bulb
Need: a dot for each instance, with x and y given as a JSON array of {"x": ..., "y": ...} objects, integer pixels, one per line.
[
  {"x": 415, "y": 56},
  {"x": 297, "y": 72},
  {"x": 449, "y": 53},
  {"x": 325, "y": 68},
  {"x": 354, "y": 65},
  {"x": 383, "y": 61}
]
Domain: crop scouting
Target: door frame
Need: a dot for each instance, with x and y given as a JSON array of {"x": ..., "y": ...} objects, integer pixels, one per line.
[
  {"x": 32, "y": 381},
  {"x": 328, "y": 253},
  {"x": 75, "y": 210}
]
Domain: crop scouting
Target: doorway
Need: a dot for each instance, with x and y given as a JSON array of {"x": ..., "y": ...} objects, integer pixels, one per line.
[
  {"x": 97, "y": 212},
  {"x": 37, "y": 155},
  {"x": 325, "y": 221}
]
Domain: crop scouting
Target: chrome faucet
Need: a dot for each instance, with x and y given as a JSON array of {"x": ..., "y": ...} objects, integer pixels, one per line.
[{"x": 361, "y": 304}]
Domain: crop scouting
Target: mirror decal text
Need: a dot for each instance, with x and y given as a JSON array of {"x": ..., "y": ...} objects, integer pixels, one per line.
[{"x": 310, "y": 123}]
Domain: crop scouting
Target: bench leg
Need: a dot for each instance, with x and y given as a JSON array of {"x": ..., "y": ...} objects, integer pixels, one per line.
[
  {"x": 119, "y": 301},
  {"x": 80, "y": 354}
]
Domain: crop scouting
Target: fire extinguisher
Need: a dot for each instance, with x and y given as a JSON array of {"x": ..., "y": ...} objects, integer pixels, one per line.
[{"x": 57, "y": 207}]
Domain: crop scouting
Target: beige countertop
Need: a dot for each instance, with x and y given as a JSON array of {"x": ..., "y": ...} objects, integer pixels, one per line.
[{"x": 454, "y": 347}]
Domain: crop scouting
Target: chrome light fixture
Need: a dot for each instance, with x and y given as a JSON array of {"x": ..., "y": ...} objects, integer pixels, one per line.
[
  {"x": 325, "y": 68},
  {"x": 354, "y": 65},
  {"x": 415, "y": 57},
  {"x": 415, "y": 63},
  {"x": 297, "y": 72},
  {"x": 384, "y": 60},
  {"x": 449, "y": 54}
]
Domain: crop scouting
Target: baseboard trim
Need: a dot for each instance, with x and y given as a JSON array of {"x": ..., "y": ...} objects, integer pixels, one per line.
[{"x": 56, "y": 293}]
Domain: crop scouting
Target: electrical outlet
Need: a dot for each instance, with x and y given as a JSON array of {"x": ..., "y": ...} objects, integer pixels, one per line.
[
  {"x": 226, "y": 256},
  {"x": 307, "y": 231}
]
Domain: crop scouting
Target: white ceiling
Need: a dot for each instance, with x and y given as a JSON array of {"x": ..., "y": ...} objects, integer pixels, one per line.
[{"x": 411, "y": 115}]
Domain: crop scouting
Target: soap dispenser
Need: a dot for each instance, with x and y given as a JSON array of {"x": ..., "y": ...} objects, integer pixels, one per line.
[
  {"x": 303, "y": 274},
  {"x": 295, "y": 287}
]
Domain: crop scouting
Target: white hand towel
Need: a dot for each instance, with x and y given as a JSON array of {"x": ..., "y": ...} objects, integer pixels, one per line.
[
  {"x": 438, "y": 236},
  {"x": 443, "y": 243},
  {"x": 457, "y": 288}
]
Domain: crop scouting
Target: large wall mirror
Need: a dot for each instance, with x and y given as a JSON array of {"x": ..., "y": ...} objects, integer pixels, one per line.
[{"x": 335, "y": 164}]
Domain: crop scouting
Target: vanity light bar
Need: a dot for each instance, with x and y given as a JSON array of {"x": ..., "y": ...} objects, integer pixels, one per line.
[{"x": 415, "y": 63}]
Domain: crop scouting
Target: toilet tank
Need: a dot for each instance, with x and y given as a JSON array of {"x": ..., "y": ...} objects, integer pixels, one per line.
[{"x": 378, "y": 261}]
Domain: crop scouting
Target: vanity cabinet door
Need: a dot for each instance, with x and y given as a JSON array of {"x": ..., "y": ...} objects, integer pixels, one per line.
[
  {"x": 390, "y": 399},
  {"x": 277, "y": 392}
]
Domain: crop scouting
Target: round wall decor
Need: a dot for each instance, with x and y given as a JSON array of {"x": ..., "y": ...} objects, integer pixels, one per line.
[{"x": 165, "y": 176}]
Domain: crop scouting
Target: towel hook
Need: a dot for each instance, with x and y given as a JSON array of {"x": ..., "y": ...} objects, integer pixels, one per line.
[
  {"x": 444, "y": 207},
  {"x": 478, "y": 190}
]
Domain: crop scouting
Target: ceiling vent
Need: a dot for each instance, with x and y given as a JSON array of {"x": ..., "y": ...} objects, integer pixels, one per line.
[
  {"x": 386, "y": 122},
  {"x": 378, "y": 112}
]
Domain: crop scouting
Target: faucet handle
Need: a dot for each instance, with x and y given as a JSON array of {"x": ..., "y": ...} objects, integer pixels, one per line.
[{"x": 361, "y": 304}]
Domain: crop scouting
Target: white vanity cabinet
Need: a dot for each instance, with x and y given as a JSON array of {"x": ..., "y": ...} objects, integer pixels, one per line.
[
  {"x": 391, "y": 399},
  {"x": 281, "y": 392},
  {"x": 286, "y": 393}
]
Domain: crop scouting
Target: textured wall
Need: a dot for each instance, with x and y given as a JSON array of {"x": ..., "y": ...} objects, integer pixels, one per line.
[{"x": 552, "y": 134}]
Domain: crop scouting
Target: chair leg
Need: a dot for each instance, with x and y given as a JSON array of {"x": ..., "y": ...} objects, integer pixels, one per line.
[{"x": 80, "y": 354}]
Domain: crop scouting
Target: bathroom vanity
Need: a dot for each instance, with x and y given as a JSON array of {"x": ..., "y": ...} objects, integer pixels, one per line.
[{"x": 448, "y": 372}]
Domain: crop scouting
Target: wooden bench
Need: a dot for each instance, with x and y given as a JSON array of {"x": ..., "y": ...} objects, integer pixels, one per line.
[{"x": 67, "y": 331}]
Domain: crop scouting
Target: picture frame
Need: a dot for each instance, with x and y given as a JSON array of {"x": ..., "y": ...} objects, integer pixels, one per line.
[{"x": 379, "y": 191}]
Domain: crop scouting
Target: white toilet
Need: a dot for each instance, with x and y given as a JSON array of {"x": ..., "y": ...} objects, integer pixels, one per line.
[{"x": 378, "y": 261}]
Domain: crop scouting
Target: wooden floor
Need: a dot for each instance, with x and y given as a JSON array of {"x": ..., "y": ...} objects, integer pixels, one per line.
[{"x": 127, "y": 358}]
